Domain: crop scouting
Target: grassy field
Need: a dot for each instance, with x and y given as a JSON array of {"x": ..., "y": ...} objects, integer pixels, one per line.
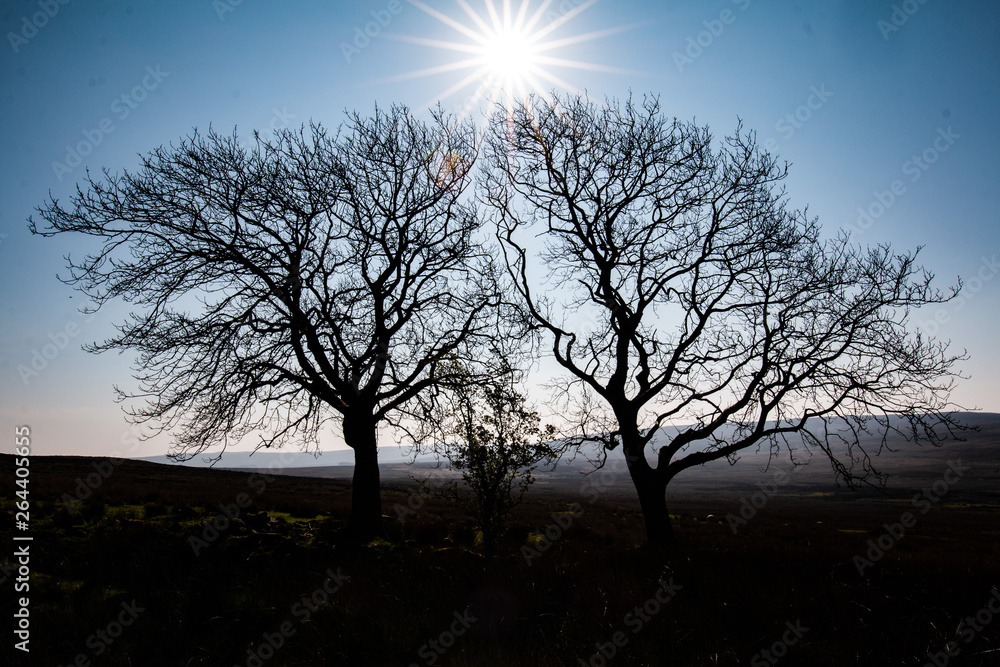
[{"x": 136, "y": 575}]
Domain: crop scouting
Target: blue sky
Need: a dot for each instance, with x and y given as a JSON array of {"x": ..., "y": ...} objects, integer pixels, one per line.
[{"x": 887, "y": 108}]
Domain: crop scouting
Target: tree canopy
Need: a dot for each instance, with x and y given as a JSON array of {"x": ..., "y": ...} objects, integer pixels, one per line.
[
  {"x": 683, "y": 289},
  {"x": 312, "y": 276}
]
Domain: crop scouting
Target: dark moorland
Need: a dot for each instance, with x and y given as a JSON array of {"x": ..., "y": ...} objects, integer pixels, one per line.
[{"x": 811, "y": 574}]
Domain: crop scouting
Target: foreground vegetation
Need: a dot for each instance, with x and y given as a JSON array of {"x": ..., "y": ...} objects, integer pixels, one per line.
[{"x": 278, "y": 585}]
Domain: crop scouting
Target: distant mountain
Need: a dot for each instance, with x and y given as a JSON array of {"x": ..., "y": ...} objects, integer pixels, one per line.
[
  {"x": 289, "y": 458},
  {"x": 908, "y": 461}
]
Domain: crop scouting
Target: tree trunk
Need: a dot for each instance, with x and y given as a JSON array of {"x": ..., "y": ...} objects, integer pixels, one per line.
[
  {"x": 652, "y": 497},
  {"x": 365, "y": 522},
  {"x": 653, "y": 501},
  {"x": 489, "y": 543}
]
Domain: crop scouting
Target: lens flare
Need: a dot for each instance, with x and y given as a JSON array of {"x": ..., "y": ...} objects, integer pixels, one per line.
[{"x": 510, "y": 51}]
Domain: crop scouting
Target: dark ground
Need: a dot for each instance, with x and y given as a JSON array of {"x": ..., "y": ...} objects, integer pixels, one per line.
[{"x": 255, "y": 594}]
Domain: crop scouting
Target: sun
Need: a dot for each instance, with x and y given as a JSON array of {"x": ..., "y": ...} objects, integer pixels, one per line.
[
  {"x": 509, "y": 55},
  {"x": 509, "y": 52}
]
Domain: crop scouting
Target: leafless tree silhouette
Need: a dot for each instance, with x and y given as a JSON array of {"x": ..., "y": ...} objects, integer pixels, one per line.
[
  {"x": 309, "y": 278},
  {"x": 683, "y": 289}
]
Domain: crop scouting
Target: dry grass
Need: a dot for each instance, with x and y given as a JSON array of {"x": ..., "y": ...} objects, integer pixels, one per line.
[{"x": 130, "y": 541}]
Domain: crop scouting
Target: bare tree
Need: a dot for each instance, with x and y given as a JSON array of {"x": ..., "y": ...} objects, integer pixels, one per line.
[
  {"x": 683, "y": 289},
  {"x": 309, "y": 278}
]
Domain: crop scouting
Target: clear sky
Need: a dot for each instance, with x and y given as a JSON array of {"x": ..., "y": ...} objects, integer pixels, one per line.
[{"x": 888, "y": 108}]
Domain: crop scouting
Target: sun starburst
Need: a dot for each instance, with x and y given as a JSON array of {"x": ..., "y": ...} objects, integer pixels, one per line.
[{"x": 509, "y": 52}]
